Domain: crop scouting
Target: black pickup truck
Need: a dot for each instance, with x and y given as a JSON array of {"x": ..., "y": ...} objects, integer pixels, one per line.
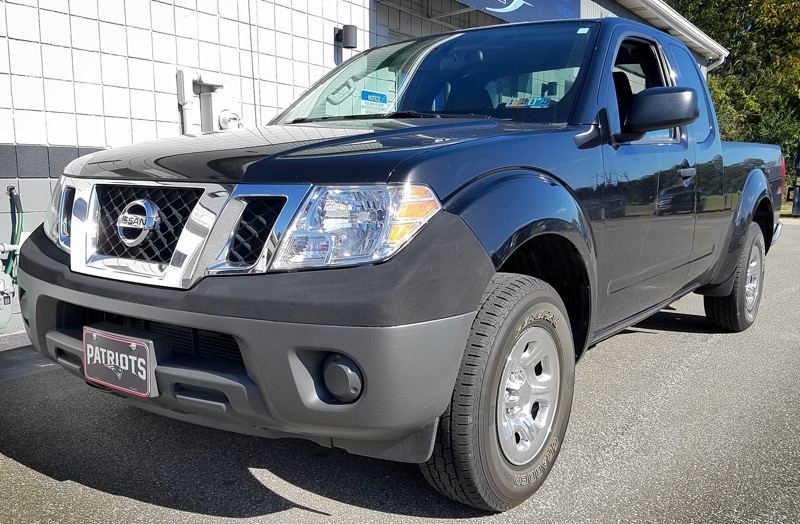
[{"x": 408, "y": 261}]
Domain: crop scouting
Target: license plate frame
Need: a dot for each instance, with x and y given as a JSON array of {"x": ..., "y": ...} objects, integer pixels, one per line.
[{"x": 119, "y": 361}]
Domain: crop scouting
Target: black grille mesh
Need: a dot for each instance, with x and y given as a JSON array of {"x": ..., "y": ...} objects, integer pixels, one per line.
[
  {"x": 254, "y": 228},
  {"x": 187, "y": 342},
  {"x": 175, "y": 206}
]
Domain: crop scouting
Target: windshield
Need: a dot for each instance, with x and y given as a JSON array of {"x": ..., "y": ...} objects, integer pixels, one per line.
[{"x": 525, "y": 73}]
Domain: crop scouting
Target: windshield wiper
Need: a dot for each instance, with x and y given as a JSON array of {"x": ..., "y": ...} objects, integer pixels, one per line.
[
  {"x": 396, "y": 114},
  {"x": 372, "y": 116},
  {"x": 417, "y": 114}
]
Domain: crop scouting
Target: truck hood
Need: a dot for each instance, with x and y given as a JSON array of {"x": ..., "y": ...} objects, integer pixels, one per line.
[{"x": 354, "y": 151}]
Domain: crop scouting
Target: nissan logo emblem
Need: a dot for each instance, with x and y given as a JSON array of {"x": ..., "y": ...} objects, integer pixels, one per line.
[{"x": 137, "y": 220}]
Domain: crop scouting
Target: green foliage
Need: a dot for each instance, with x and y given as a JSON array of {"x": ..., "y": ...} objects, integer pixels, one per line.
[{"x": 757, "y": 90}]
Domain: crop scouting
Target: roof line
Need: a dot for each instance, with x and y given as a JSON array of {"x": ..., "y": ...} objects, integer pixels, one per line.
[{"x": 662, "y": 16}]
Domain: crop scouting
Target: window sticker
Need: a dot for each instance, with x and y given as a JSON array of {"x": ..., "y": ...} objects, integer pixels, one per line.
[
  {"x": 521, "y": 103},
  {"x": 372, "y": 102},
  {"x": 538, "y": 102},
  {"x": 583, "y": 30}
]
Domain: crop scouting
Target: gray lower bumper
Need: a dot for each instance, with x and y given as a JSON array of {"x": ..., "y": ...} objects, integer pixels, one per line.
[{"x": 408, "y": 372}]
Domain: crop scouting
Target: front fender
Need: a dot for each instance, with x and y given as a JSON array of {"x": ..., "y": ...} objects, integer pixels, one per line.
[{"x": 507, "y": 208}]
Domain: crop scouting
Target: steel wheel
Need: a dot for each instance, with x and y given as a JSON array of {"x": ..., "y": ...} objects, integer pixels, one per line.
[
  {"x": 528, "y": 396},
  {"x": 753, "y": 281}
]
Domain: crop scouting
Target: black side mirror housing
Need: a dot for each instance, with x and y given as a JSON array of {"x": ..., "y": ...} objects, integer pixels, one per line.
[{"x": 659, "y": 108}]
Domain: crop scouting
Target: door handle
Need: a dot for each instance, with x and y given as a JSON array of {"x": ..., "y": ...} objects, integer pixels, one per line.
[{"x": 687, "y": 172}]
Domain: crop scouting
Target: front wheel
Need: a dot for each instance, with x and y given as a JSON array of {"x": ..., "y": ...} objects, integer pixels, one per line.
[
  {"x": 507, "y": 418},
  {"x": 737, "y": 311}
]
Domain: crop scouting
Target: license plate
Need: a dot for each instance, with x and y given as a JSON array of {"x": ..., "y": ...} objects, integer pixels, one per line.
[{"x": 119, "y": 362}]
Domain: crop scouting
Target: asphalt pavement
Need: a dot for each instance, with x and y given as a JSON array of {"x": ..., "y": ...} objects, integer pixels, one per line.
[{"x": 672, "y": 422}]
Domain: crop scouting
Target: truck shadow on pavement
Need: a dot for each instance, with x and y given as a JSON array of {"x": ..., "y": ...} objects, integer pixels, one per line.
[
  {"x": 57, "y": 426},
  {"x": 669, "y": 319}
]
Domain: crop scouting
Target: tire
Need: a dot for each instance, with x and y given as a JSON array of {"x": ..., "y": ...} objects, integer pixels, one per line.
[
  {"x": 486, "y": 455},
  {"x": 737, "y": 311}
]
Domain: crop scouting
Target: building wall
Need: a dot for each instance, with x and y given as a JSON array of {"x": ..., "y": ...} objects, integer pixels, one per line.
[{"x": 604, "y": 8}]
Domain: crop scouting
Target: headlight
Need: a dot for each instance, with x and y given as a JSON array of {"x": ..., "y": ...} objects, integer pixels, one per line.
[
  {"x": 58, "y": 220},
  {"x": 339, "y": 226},
  {"x": 53, "y": 216}
]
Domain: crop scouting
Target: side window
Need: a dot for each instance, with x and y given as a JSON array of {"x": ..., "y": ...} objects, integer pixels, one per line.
[
  {"x": 637, "y": 68},
  {"x": 689, "y": 76}
]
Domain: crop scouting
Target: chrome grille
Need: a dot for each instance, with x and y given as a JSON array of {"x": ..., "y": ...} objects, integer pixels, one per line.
[
  {"x": 253, "y": 230},
  {"x": 175, "y": 205}
]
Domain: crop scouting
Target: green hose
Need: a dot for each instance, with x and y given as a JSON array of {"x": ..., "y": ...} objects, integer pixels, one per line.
[
  {"x": 17, "y": 235},
  {"x": 16, "y": 206}
]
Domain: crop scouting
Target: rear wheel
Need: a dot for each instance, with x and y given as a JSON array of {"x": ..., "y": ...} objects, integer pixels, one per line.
[
  {"x": 504, "y": 427},
  {"x": 737, "y": 311}
]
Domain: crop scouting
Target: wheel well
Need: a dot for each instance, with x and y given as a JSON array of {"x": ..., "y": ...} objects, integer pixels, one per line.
[
  {"x": 763, "y": 217},
  {"x": 555, "y": 260}
]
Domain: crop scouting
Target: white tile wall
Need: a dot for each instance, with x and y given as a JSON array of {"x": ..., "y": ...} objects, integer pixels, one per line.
[
  {"x": 162, "y": 17},
  {"x": 112, "y": 39},
  {"x": 143, "y": 105},
  {"x": 85, "y": 33},
  {"x": 62, "y": 6},
  {"x": 140, "y": 43},
  {"x": 114, "y": 70},
  {"x": 4, "y": 63},
  {"x": 118, "y": 131},
  {"x": 86, "y": 66},
  {"x": 140, "y": 74},
  {"x": 5, "y": 91},
  {"x": 23, "y": 58},
  {"x": 91, "y": 131},
  {"x": 6, "y": 126},
  {"x": 55, "y": 28},
  {"x": 27, "y": 92},
  {"x": 59, "y": 96},
  {"x": 137, "y": 14},
  {"x": 88, "y": 99},
  {"x": 85, "y": 8},
  {"x": 22, "y": 22},
  {"x": 116, "y": 101},
  {"x": 143, "y": 130},
  {"x": 112, "y": 11},
  {"x": 29, "y": 127},
  {"x": 56, "y": 62},
  {"x": 164, "y": 48},
  {"x": 62, "y": 129}
]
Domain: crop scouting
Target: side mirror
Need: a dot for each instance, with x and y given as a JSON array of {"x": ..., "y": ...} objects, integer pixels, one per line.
[{"x": 659, "y": 108}]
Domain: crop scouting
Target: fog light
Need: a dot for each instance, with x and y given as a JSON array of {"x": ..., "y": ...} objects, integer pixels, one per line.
[{"x": 342, "y": 378}]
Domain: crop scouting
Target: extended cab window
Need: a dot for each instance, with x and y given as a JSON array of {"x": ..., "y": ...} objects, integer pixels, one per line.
[
  {"x": 636, "y": 68},
  {"x": 689, "y": 76}
]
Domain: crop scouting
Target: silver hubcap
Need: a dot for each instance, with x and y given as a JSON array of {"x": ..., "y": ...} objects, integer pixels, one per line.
[
  {"x": 528, "y": 395},
  {"x": 753, "y": 279}
]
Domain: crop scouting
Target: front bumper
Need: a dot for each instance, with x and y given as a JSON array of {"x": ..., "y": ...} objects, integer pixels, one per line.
[{"x": 276, "y": 389}]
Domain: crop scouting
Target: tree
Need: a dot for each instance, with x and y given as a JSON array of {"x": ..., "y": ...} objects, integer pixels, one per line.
[{"x": 757, "y": 90}]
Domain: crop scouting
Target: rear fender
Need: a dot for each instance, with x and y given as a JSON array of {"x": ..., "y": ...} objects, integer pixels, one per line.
[{"x": 754, "y": 192}]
